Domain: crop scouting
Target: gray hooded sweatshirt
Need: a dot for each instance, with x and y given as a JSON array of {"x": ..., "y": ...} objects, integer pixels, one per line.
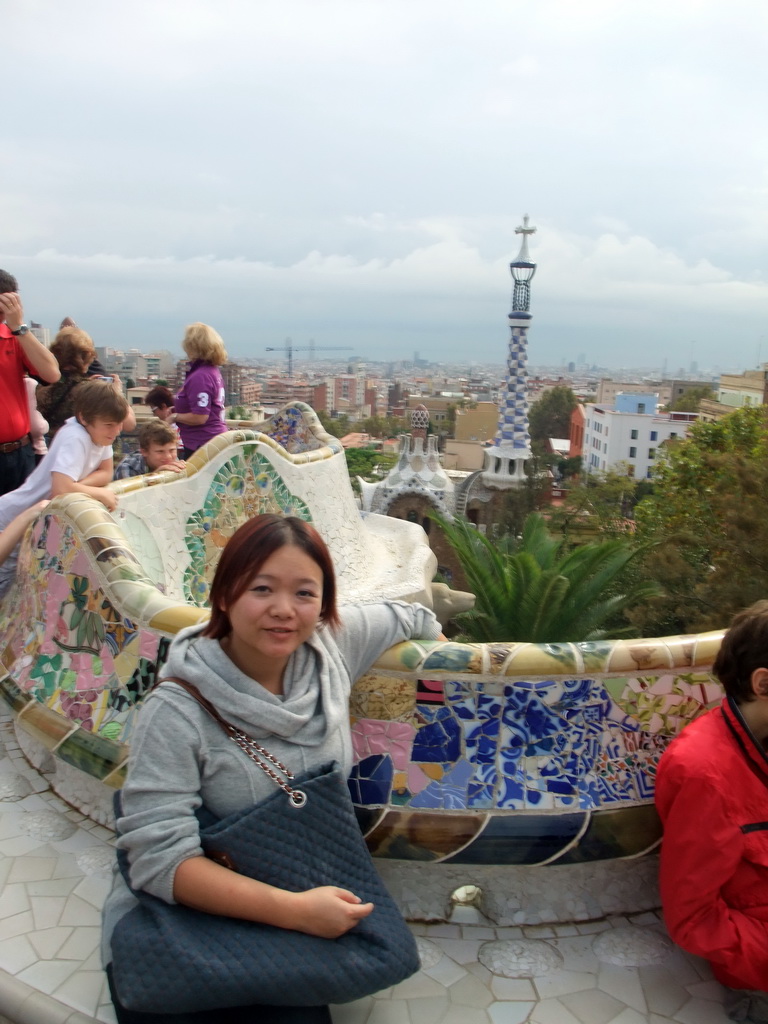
[{"x": 181, "y": 758}]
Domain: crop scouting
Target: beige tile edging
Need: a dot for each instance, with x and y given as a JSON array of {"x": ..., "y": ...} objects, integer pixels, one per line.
[{"x": 22, "y": 1004}]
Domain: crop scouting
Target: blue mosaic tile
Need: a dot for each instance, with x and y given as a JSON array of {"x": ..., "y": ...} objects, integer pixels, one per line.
[
  {"x": 511, "y": 792},
  {"x": 464, "y": 709},
  {"x": 577, "y": 691},
  {"x": 371, "y": 780},
  {"x": 479, "y": 797},
  {"x": 515, "y": 699},
  {"x": 542, "y": 721},
  {"x": 589, "y": 794},
  {"x": 450, "y": 792},
  {"x": 457, "y": 690},
  {"x": 438, "y": 741}
]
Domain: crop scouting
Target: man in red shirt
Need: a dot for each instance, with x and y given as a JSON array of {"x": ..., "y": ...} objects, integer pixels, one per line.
[
  {"x": 20, "y": 353},
  {"x": 712, "y": 796}
]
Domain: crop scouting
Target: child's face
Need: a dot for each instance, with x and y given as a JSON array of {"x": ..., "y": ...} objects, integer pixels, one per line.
[
  {"x": 159, "y": 455},
  {"x": 103, "y": 432}
]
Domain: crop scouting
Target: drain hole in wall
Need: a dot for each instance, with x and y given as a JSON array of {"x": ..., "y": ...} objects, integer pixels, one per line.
[{"x": 467, "y": 896}]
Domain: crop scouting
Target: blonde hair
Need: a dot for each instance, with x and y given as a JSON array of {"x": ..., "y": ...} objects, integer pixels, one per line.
[
  {"x": 74, "y": 349},
  {"x": 202, "y": 342}
]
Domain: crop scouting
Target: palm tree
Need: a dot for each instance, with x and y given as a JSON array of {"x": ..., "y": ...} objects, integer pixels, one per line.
[{"x": 533, "y": 589}]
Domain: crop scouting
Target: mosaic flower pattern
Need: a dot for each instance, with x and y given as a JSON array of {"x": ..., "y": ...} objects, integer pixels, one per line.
[{"x": 247, "y": 485}]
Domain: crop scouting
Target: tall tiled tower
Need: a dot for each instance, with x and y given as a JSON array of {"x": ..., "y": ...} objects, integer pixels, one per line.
[{"x": 504, "y": 465}]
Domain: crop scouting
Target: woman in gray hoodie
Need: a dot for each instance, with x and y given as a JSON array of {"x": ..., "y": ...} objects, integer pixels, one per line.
[{"x": 277, "y": 660}]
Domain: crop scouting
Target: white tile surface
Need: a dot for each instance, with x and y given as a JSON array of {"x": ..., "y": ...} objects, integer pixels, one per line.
[
  {"x": 624, "y": 984},
  {"x": 559, "y": 983},
  {"x": 13, "y": 900},
  {"x": 509, "y": 1013},
  {"x": 49, "y": 941},
  {"x": 47, "y": 975},
  {"x": 593, "y": 1006},
  {"x": 470, "y": 991},
  {"x": 16, "y": 954}
]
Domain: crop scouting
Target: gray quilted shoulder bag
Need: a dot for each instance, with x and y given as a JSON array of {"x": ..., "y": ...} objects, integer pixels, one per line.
[{"x": 169, "y": 958}]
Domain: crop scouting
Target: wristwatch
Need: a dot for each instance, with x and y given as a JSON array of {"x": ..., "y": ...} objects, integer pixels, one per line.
[{"x": 20, "y": 330}]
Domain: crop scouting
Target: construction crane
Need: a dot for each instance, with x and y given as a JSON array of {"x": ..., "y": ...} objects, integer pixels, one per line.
[{"x": 290, "y": 348}]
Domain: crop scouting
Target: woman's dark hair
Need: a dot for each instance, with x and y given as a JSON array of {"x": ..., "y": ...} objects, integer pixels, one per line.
[
  {"x": 246, "y": 552},
  {"x": 158, "y": 396},
  {"x": 744, "y": 649}
]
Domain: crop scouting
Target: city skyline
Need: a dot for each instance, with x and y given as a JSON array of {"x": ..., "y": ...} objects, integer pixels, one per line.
[{"x": 353, "y": 173}]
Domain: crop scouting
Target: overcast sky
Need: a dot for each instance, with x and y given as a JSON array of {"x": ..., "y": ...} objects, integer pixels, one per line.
[{"x": 352, "y": 171}]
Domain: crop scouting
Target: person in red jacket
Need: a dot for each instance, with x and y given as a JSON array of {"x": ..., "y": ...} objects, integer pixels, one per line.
[{"x": 712, "y": 796}]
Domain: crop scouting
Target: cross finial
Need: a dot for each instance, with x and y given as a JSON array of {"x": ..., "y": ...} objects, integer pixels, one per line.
[
  {"x": 524, "y": 229},
  {"x": 523, "y": 256}
]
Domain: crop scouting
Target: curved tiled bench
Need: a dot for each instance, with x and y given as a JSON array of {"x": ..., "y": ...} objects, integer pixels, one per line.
[{"x": 526, "y": 770}]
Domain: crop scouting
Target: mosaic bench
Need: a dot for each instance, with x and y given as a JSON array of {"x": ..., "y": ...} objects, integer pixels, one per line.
[{"x": 524, "y": 770}]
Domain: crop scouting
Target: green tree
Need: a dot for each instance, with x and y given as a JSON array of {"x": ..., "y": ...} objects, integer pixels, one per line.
[
  {"x": 130, "y": 383},
  {"x": 534, "y": 589},
  {"x": 707, "y": 517},
  {"x": 600, "y": 506},
  {"x": 550, "y": 415},
  {"x": 238, "y": 412},
  {"x": 367, "y": 463},
  {"x": 337, "y": 427},
  {"x": 691, "y": 399},
  {"x": 382, "y": 426}
]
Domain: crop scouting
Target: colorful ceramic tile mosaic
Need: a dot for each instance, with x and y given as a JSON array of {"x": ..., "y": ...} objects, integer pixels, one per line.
[
  {"x": 246, "y": 485},
  {"x": 505, "y": 753}
]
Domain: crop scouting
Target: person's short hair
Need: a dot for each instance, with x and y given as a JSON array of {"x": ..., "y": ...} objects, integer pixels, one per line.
[
  {"x": 249, "y": 548},
  {"x": 155, "y": 432},
  {"x": 158, "y": 397},
  {"x": 744, "y": 649},
  {"x": 74, "y": 349},
  {"x": 98, "y": 400},
  {"x": 8, "y": 282},
  {"x": 202, "y": 342}
]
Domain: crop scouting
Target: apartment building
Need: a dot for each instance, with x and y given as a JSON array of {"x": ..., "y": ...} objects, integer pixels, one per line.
[{"x": 627, "y": 437}]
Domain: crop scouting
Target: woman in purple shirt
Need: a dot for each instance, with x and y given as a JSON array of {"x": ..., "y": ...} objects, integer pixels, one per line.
[{"x": 199, "y": 406}]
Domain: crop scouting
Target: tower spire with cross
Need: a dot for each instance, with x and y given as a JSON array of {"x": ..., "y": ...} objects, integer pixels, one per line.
[{"x": 504, "y": 464}]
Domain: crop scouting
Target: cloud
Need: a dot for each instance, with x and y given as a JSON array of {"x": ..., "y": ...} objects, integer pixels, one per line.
[{"x": 358, "y": 168}]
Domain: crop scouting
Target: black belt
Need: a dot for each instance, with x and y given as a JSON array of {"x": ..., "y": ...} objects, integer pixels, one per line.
[{"x": 13, "y": 446}]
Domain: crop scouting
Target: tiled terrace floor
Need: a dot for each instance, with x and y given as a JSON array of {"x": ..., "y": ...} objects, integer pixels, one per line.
[{"x": 54, "y": 873}]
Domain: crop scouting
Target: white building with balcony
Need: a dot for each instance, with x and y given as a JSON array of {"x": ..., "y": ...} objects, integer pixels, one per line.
[{"x": 626, "y": 437}]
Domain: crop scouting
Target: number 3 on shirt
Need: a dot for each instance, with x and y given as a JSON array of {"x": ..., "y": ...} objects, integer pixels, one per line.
[{"x": 202, "y": 400}]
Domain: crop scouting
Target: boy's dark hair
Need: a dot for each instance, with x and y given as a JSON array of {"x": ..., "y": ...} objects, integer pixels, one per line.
[
  {"x": 155, "y": 432},
  {"x": 8, "y": 282},
  {"x": 744, "y": 649},
  {"x": 97, "y": 399},
  {"x": 159, "y": 395}
]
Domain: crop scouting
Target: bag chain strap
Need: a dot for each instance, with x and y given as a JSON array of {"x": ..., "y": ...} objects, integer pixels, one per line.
[{"x": 247, "y": 744}]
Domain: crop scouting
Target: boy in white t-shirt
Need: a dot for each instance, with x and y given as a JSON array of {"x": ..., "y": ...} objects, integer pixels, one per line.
[{"x": 78, "y": 461}]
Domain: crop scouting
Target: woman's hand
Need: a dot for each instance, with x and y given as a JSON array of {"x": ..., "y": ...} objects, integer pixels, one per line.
[{"x": 328, "y": 912}]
